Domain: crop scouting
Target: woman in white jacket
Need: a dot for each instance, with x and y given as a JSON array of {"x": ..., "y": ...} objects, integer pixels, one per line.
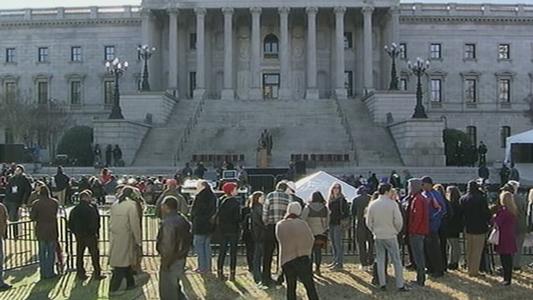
[{"x": 316, "y": 214}]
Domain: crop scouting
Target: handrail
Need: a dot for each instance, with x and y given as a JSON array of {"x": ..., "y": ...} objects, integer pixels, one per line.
[
  {"x": 348, "y": 129},
  {"x": 191, "y": 123}
]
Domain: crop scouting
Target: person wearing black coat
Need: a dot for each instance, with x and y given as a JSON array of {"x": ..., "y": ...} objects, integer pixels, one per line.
[
  {"x": 84, "y": 223},
  {"x": 228, "y": 221},
  {"x": 258, "y": 232},
  {"x": 61, "y": 184},
  {"x": 476, "y": 217},
  {"x": 18, "y": 191},
  {"x": 202, "y": 211},
  {"x": 454, "y": 227},
  {"x": 108, "y": 155},
  {"x": 247, "y": 237}
]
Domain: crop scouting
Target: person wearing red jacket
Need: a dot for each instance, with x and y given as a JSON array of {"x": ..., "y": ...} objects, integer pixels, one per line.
[{"x": 418, "y": 226}]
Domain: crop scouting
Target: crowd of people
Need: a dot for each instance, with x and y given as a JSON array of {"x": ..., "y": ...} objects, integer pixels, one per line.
[{"x": 389, "y": 215}]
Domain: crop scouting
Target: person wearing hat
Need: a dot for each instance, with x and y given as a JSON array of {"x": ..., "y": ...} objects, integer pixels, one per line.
[
  {"x": 365, "y": 241},
  {"x": 296, "y": 241},
  {"x": 437, "y": 210},
  {"x": 476, "y": 217},
  {"x": 228, "y": 221}
]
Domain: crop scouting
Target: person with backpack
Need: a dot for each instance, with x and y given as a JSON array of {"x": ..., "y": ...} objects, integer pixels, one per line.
[
  {"x": 316, "y": 214},
  {"x": 338, "y": 221}
]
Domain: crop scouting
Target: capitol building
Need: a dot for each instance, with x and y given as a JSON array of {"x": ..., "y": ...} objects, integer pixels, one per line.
[{"x": 313, "y": 72}]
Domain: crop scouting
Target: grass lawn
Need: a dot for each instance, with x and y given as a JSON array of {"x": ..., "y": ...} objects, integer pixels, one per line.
[{"x": 349, "y": 284}]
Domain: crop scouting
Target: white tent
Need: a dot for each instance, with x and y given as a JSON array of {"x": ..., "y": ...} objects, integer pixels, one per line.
[
  {"x": 520, "y": 138},
  {"x": 322, "y": 181}
]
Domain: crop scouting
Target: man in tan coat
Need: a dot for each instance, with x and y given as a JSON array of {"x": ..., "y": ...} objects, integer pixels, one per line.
[{"x": 125, "y": 238}]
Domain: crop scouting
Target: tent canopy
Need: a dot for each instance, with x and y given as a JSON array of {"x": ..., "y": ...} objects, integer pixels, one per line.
[
  {"x": 322, "y": 181},
  {"x": 519, "y": 138}
]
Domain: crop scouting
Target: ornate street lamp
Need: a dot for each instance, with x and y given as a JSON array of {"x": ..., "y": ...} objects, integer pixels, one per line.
[
  {"x": 419, "y": 68},
  {"x": 145, "y": 52},
  {"x": 116, "y": 68},
  {"x": 393, "y": 51}
]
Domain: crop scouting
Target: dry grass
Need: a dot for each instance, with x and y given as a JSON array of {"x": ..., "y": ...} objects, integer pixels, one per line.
[{"x": 349, "y": 284}]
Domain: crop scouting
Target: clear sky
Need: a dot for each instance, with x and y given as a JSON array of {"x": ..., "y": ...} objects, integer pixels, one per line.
[{"x": 4, "y": 4}]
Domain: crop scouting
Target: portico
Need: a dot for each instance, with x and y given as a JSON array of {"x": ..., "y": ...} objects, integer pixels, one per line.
[{"x": 275, "y": 49}]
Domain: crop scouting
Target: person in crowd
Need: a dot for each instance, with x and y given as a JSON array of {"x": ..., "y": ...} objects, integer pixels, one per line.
[
  {"x": 247, "y": 236},
  {"x": 513, "y": 173},
  {"x": 395, "y": 180},
  {"x": 200, "y": 170},
  {"x": 84, "y": 223},
  {"x": 505, "y": 222},
  {"x": 291, "y": 190},
  {"x": 505, "y": 172},
  {"x": 108, "y": 156},
  {"x": 316, "y": 214},
  {"x": 125, "y": 239},
  {"x": 373, "y": 182},
  {"x": 3, "y": 235},
  {"x": 229, "y": 218},
  {"x": 18, "y": 190},
  {"x": 258, "y": 232},
  {"x": 97, "y": 190},
  {"x": 274, "y": 210},
  {"x": 117, "y": 156},
  {"x": 97, "y": 152},
  {"x": 385, "y": 221},
  {"x": 437, "y": 211},
  {"x": 61, "y": 185},
  {"x": 454, "y": 227},
  {"x": 445, "y": 224},
  {"x": 476, "y": 216},
  {"x": 173, "y": 242},
  {"x": 339, "y": 215},
  {"x": 417, "y": 226},
  {"x": 203, "y": 209},
  {"x": 483, "y": 172},
  {"x": 187, "y": 171},
  {"x": 521, "y": 223},
  {"x": 44, "y": 213},
  {"x": 530, "y": 210},
  {"x": 296, "y": 241},
  {"x": 365, "y": 241},
  {"x": 172, "y": 189}
]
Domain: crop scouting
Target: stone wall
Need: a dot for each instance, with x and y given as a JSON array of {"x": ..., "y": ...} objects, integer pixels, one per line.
[
  {"x": 420, "y": 142},
  {"x": 137, "y": 106},
  {"x": 128, "y": 135},
  {"x": 399, "y": 104}
]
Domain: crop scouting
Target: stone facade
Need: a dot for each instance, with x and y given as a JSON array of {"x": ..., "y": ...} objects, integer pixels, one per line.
[{"x": 282, "y": 49}]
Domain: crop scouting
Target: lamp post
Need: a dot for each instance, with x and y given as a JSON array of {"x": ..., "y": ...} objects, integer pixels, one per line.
[
  {"x": 145, "y": 52},
  {"x": 116, "y": 68},
  {"x": 393, "y": 51},
  {"x": 419, "y": 68}
]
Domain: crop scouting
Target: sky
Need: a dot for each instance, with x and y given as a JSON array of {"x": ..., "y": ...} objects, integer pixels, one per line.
[{"x": 8, "y": 4}]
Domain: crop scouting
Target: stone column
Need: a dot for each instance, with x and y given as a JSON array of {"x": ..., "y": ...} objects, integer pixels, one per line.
[
  {"x": 148, "y": 38},
  {"x": 284, "y": 54},
  {"x": 199, "y": 92},
  {"x": 312, "y": 90},
  {"x": 228, "y": 92},
  {"x": 395, "y": 24},
  {"x": 340, "y": 89},
  {"x": 368, "y": 58},
  {"x": 255, "y": 58},
  {"x": 173, "y": 52}
]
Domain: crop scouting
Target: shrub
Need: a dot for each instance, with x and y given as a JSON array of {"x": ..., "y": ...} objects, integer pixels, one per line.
[{"x": 76, "y": 143}]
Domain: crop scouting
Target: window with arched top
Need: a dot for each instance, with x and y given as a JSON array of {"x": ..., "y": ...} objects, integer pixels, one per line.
[{"x": 271, "y": 46}]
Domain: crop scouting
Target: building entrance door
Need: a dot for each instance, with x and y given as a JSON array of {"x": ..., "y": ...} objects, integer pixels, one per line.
[{"x": 271, "y": 85}]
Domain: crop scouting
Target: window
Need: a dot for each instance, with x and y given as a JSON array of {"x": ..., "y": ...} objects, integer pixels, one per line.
[
  {"x": 403, "y": 84},
  {"x": 10, "y": 89},
  {"x": 403, "y": 51},
  {"x": 470, "y": 51},
  {"x": 504, "y": 51},
  {"x": 270, "y": 46},
  {"x": 505, "y": 132},
  {"x": 436, "y": 90},
  {"x": 348, "y": 83},
  {"x": 470, "y": 90},
  {"x": 43, "y": 54},
  {"x": 192, "y": 83},
  {"x": 504, "y": 90},
  {"x": 10, "y": 55},
  {"x": 192, "y": 41},
  {"x": 42, "y": 92},
  {"x": 471, "y": 132},
  {"x": 109, "y": 53},
  {"x": 109, "y": 92},
  {"x": 348, "y": 41},
  {"x": 75, "y": 92},
  {"x": 75, "y": 54},
  {"x": 435, "y": 51}
]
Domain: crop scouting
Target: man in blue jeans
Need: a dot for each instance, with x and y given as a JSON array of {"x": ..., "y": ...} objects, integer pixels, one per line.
[{"x": 384, "y": 220}]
